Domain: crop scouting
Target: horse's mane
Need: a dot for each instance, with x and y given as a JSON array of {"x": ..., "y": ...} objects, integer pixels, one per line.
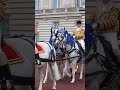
[{"x": 70, "y": 39}]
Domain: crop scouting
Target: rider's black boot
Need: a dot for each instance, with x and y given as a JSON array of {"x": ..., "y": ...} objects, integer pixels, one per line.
[{"x": 37, "y": 58}]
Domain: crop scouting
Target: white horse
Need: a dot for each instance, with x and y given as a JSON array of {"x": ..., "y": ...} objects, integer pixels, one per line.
[
  {"x": 70, "y": 51},
  {"x": 53, "y": 65},
  {"x": 58, "y": 52},
  {"x": 23, "y": 73},
  {"x": 95, "y": 73}
]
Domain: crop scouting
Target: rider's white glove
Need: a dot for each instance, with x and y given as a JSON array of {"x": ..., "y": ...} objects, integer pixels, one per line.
[{"x": 95, "y": 25}]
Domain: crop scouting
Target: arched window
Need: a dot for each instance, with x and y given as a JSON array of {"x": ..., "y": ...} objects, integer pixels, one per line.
[
  {"x": 79, "y": 3},
  {"x": 4, "y": 27}
]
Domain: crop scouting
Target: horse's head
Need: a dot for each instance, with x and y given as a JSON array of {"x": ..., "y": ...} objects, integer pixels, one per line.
[
  {"x": 63, "y": 39},
  {"x": 54, "y": 31},
  {"x": 61, "y": 36}
]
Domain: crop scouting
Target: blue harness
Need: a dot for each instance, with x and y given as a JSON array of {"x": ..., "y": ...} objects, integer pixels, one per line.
[
  {"x": 70, "y": 39},
  {"x": 89, "y": 40},
  {"x": 88, "y": 35}
]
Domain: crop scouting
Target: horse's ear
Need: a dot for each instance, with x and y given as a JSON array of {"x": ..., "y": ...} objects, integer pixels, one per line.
[
  {"x": 64, "y": 28},
  {"x": 65, "y": 32}
]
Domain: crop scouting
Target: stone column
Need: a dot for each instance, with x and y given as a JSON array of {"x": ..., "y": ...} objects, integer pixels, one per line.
[{"x": 72, "y": 3}]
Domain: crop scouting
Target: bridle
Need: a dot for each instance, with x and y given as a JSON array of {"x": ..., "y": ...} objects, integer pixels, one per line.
[{"x": 63, "y": 43}]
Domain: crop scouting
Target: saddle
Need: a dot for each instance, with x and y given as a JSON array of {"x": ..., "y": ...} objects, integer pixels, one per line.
[
  {"x": 12, "y": 54},
  {"x": 39, "y": 48}
]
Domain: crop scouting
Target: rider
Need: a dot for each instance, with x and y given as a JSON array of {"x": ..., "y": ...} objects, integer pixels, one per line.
[
  {"x": 105, "y": 19},
  {"x": 78, "y": 34}
]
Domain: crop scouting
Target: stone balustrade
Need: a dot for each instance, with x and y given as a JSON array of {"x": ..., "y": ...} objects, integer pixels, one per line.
[{"x": 59, "y": 10}]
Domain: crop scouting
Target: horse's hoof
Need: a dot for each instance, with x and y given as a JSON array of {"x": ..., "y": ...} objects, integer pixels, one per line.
[
  {"x": 53, "y": 89},
  {"x": 44, "y": 81},
  {"x": 72, "y": 82},
  {"x": 80, "y": 78}
]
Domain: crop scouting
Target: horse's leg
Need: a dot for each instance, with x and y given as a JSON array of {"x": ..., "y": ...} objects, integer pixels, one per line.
[
  {"x": 73, "y": 71},
  {"x": 65, "y": 70},
  {"x": 59, "y": 64},
  {"x": 46, "y": 75},
  {"x": 41, "y": 78},
  {"x": 63, "y": 63},
  {"x": 54, "y": 84},
  {"x": 81, "y": 69},
  {"x": 52, "y": 67}
]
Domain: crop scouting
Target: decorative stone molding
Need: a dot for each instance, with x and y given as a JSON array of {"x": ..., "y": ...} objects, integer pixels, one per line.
[{"x": 59, "y": 10}]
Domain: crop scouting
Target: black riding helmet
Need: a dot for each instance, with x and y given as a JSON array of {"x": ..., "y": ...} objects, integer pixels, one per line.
[{"x": 78, "y": 22}]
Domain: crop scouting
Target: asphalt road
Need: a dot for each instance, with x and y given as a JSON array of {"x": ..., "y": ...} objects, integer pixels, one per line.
[{"x": 63, "y": 84}]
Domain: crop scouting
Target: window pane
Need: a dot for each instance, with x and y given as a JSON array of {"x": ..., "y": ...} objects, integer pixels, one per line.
[
  {"x": 37, "y": 4},
  {"x": 78, "y": 3},
  {"x": 56, "y": 23},
  {"x": 4, "y": 27},
  {"x": 37, "y": 37},
  {"x": 56, "y": 3}
]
